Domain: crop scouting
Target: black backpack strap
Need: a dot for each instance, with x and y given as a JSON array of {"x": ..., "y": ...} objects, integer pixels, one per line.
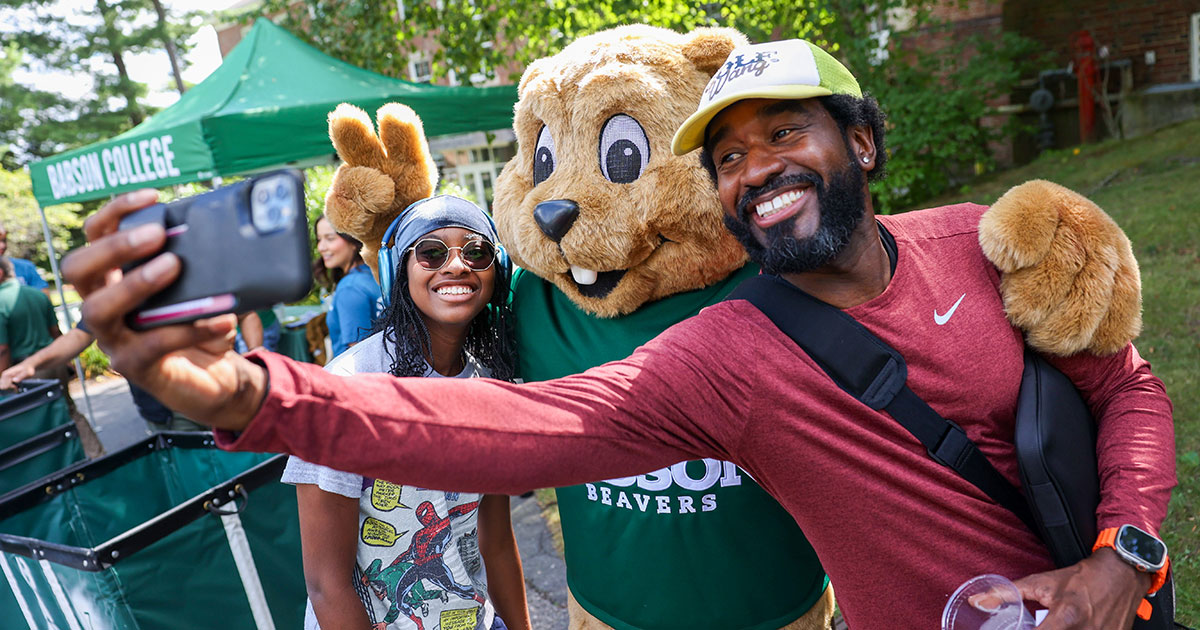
[{"x": 875, "y": 374}]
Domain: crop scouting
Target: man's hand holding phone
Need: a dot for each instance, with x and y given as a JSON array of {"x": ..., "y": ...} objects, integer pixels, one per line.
[{"x": 190, "y": 367}]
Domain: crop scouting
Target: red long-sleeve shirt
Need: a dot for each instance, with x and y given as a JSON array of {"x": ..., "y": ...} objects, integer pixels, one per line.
[{"x": 896, "y": 531}]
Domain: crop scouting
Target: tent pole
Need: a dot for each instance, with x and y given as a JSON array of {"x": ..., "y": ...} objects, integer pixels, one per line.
[{"x": 62, "y": 299}]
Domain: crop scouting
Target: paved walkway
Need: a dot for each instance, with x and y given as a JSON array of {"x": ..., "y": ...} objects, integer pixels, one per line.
[
  {"x": 110, "y": 409},
  {"x": 118, "y": 425}
]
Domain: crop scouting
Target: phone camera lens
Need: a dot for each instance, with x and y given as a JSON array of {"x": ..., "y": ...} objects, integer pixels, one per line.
[
  {"x": 281, "y": 192},
  {"x": 263, "y": 196}
]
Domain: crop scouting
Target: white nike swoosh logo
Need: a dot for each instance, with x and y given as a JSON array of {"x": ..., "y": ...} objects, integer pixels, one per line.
[{"x": 942, "y": 319}]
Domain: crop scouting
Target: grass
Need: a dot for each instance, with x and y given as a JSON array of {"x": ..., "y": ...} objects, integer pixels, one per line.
[
  {"x": 95, "y": 362},
  {"x": 1150, "y": 186},
  {"x": 548, "y": 501}
]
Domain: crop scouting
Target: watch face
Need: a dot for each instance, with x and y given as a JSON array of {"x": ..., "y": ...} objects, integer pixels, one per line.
[{"x": 1139, "y": 544}]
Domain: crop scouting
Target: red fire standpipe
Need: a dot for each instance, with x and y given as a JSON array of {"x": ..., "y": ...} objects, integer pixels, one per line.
[{"x": 1088, "y": 75}]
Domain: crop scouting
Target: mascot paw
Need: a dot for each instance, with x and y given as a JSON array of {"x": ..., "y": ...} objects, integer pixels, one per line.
[
  {"x": 1070, "y": 280},
  {"x": 381, "y": 175}
]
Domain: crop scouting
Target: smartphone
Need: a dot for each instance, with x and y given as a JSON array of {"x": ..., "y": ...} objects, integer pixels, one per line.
[{"x": 243, "y": 247}]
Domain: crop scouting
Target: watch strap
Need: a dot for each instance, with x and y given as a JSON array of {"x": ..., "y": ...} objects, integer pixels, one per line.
[
  {"x": 1145, "y": 609},
  {"x": 1108, "y": 538}
]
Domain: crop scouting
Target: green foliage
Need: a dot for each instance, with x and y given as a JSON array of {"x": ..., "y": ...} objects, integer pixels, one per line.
[
  {"x": 191, "y": 189},
  {"x": 476, "y": 41},
  {"x": 317, "y": 180},
  {"x": 40, "y": 37},
  {"x": 362, "y": 33},
  {"x": 935, "y": 103},
  {"x": 26, "y": 239},
  {"x": 456, "y": 189},
  {"x": 95, "y": 362}
]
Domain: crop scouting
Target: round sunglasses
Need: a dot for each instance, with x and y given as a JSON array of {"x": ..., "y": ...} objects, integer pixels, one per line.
[{"x": 433, "y": 254}]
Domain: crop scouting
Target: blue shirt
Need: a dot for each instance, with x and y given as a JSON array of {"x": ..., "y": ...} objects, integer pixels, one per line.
[
  {"x": 27, "y": 273},
  {"x": 355, "y": 305}
]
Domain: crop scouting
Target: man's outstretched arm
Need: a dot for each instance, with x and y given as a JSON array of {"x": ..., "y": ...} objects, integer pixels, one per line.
[{"x": 620, "y": 419}]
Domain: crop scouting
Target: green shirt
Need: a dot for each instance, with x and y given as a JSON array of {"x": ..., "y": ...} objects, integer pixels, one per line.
[
  {"x": 26, "y": 316},
  {"x": 697, "y": 545},
  {"x": 267, "y": 315}
]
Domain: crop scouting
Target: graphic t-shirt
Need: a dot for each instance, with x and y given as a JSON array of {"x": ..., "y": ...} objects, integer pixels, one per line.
[
  {"x": 650, "y": 533},
  {"x": 418, "y": 561}
]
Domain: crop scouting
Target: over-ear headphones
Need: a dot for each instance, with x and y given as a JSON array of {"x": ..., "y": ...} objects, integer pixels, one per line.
[{"x": 388, "y": 260}]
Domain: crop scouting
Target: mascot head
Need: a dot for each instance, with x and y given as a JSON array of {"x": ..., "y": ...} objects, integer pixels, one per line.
[{"x": 594, "y": 201}]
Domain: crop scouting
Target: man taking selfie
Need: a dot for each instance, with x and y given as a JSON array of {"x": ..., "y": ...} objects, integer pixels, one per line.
[{"x": 791, "y": 143}]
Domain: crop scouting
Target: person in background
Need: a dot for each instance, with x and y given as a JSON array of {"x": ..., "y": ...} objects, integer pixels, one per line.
[
  {"x": 455, "y": 555},
  {"x": 27, "y": 320},
  {"x": 51, "y": 362},
  {"x": 356, "y": 298},
  {"x": 25, "y": 271},
  {"x": 258, "y": 329},
  {"x": 46, "y": 362},
  {"x": 28, "y": 328}
]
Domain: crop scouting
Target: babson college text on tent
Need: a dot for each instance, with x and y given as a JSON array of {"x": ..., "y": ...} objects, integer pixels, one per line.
[{"x": 135, "y": 162}]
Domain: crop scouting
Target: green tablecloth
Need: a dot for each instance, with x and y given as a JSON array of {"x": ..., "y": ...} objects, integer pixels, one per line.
[{"x": 292, "y": 343}]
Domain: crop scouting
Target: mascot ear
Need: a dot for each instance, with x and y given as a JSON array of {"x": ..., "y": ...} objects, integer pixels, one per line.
[{"x": 707, "y": 48}]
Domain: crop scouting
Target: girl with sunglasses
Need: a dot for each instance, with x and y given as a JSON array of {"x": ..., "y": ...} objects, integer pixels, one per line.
[{"x": 382, "y": 555}]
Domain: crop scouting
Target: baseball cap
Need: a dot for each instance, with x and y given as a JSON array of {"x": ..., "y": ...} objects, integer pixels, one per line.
[{"x": 789, "y": 69}]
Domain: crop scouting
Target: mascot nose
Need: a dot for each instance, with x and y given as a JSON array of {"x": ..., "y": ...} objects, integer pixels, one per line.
[{"x": 555, "y": 217}]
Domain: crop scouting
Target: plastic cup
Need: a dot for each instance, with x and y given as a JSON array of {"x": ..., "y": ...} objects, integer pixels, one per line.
[{"x": 987, "y": 602}]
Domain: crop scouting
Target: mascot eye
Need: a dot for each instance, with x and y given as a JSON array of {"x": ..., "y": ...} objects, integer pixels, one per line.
[
  {"x": 543, "y": 157},
  {"x": 624, "y": 149}
]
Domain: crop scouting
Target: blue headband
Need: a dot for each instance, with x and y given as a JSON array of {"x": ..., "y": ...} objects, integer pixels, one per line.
[{"x": 421, "y": 218}]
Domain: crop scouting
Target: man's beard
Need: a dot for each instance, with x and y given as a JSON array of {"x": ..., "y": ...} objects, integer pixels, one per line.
[{"x": 841, "y": 205}]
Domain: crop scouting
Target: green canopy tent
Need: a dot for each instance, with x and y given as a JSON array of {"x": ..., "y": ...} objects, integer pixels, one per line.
[{"x": 266, "y": 105}]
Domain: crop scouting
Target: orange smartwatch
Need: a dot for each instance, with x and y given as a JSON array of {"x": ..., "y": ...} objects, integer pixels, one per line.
[{"x": 1144, "y": 551}]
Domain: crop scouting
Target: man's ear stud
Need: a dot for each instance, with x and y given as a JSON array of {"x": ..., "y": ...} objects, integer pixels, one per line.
[{"x": 866, "y": 159}]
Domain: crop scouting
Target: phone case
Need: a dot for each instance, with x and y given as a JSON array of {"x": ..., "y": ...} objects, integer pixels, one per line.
[{"x": 229, "y": 264}]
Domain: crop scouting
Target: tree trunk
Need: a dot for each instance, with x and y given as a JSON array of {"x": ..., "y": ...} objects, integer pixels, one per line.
[
  {"x": 170, "y": 45},
  {"x": 125, "y": 84}
]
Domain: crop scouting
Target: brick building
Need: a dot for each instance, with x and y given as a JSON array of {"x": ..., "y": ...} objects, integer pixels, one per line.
[
  {"x": 1158, "y": 36},
  {"x": 1146, "y": 55}
]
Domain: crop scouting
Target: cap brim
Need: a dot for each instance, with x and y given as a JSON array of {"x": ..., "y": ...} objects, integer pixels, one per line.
[{"x": 691, "y": 133}]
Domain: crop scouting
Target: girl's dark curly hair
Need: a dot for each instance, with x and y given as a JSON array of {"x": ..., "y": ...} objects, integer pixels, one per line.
[{"x": 490, "y": 338}]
